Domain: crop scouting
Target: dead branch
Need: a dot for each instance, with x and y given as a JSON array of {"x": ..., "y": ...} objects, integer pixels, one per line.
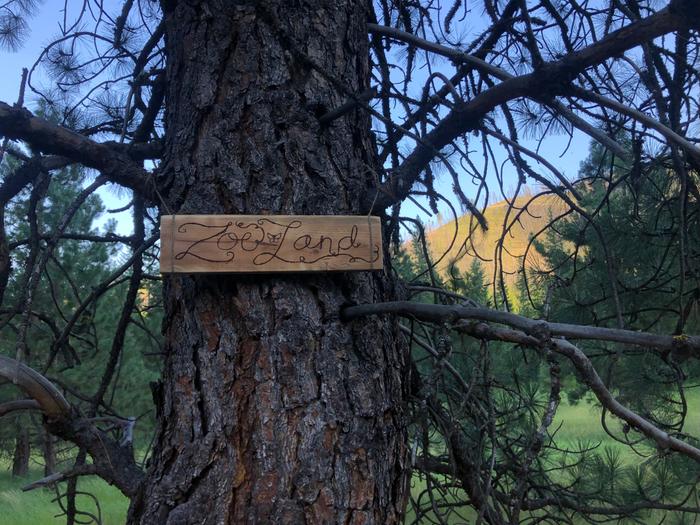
[
  {"x": 52, "y": 479},
  {"x": 112, "y": 461},
  {"x": 117, "y": 162},
  {"x": 541, "y": 334},
  {"x": 531, "y": 327},
  {"x": 20, "y": 404}
]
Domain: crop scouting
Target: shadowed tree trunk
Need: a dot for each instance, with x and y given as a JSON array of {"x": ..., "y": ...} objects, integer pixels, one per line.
[
  {"x": 20, "y": 461},
  {"x": 49, "y": 453},
  {"x": 272, "y": 409}
]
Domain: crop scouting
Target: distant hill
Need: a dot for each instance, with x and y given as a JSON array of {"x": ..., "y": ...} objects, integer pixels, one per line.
[{"x": 483, "y": 244}]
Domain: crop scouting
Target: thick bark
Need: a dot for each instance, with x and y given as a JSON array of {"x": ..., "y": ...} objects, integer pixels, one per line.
[{"x": 272, "y": 409}]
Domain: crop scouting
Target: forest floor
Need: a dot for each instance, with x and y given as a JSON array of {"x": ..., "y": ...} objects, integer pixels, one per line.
[{"x": 580, "y": 422}]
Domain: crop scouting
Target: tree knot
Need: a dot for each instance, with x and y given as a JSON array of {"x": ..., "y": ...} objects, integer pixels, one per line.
[
  {"x": 681, "y": 349},
  {"x": 541, "y": 332}
]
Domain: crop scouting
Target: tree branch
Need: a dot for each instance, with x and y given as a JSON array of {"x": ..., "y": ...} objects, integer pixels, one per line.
[
  {"x": 549, "y": 80},
  {"x": 20, "y": 404},
  {"x": 535, "y": 328},
  {"x": 117, "y": 162},
  {"x": 451, "y": 53},
  {"x": 112, "y": 461},
  {"x": 57, "y": 477},
  {"x": 537, "y": 334},
  {"x": 671, "y": 136},
  {"x": 36, "y": 386}
]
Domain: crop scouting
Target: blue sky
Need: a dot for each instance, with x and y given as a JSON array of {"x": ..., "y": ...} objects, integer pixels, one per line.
[{"x": 45, "y": 24}]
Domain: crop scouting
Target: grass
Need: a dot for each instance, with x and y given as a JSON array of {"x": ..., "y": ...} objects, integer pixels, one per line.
[
  {"x": 582, "y": 422},
  {"x": 578, "y": 422},
  {"x": 37, "y": 508}
]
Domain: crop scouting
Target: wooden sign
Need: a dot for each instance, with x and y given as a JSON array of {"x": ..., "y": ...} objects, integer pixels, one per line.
[{"x": 269, "y": 243}]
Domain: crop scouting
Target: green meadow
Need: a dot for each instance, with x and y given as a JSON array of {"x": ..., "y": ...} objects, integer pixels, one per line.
[
  {"x": 580, "y": 422},
  {"x": 38, "y": 507}
]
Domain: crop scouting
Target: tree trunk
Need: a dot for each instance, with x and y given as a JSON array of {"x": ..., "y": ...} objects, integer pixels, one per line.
[
  {"x": 272, "y": 409},
  {"x": 49, "y": 453},
  {"x": 20, "y": 462}
]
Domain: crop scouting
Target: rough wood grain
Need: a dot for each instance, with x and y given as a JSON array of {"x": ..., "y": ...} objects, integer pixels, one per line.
[
  {"x": 272, "y": 409},
  {"x": 269, "y": 243}
]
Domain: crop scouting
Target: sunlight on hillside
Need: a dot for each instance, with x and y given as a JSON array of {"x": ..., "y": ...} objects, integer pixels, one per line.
[{"x": 525, "y": 218}]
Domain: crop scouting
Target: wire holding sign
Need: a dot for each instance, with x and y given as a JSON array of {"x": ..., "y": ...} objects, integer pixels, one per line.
[{"x": 269, "y": 243}]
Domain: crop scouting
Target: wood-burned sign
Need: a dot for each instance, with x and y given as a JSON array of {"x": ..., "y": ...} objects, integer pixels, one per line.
[{"x": 269, "y": 243}]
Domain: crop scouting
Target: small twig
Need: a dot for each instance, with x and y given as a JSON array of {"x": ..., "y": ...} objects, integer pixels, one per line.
[
  {"x": 19, "y": 104},
  {"x": 83, "y": 470}
]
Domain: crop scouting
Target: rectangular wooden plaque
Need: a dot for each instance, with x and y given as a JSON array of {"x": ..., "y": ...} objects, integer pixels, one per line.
[{"x": 269, "y": 243}]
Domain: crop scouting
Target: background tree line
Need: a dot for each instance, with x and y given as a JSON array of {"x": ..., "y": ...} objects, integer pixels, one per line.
[{"x": 636, "y": 221}]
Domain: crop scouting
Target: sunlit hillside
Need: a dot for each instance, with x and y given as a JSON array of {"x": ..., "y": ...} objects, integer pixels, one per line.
[{"x": 520, "y": 220}]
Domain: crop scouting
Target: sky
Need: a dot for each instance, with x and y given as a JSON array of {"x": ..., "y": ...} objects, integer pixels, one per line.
[{"x": 45, "y": 24}]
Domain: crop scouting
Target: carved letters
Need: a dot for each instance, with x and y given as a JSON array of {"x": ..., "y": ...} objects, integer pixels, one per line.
[{"x": 269, "y": 243}]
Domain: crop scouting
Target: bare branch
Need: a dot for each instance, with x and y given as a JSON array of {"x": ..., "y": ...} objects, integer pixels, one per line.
[
  {"x": 453, "y": 313},
  {"x": 539, "y": 334},
  {"x": 113, "y": 461},
  {"x": 552, "y": 78},
  {"x": 20, "y": 404},
  {"x": 36, "y": 386},
  {"x": 691, "y": 149},
  {"x": 82, "y": 470},
  {"x": 453, "y": 54},
  {"x": 115, "y": 161}
]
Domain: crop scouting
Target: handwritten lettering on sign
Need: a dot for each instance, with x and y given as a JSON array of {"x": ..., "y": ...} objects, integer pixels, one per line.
[{"x": 269, "y": 243}]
